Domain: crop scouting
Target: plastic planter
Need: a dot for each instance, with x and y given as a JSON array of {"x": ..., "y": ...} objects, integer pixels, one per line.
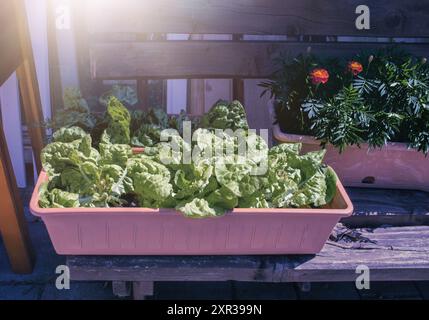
[
  {"x": 143, "y": 231},
  {"x": 393, "y": 166}
]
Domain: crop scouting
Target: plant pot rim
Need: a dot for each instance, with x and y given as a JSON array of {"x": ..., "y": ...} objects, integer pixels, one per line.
[
  {"x": 281, "y": 136},
  {"x": 345, "y": 211}
]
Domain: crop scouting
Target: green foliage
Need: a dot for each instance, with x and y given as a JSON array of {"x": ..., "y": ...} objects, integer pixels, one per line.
[
  {"x": 387, "y": 101},
  {"x": 119, "y": 120},
  {"x": 69, "y": 134},
  {"x": 224, "y": 115},
  {"x": 74, "y": 112},
  {"x": 125, "y": 94},
  {"x": 81, "y": 176},
  {"x": 148, "y": 125}
]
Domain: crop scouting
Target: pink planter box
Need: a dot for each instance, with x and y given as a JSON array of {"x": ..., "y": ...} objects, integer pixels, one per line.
[
  {"x": 393, "y": 166},
  {"x": 143, "y": 231}
]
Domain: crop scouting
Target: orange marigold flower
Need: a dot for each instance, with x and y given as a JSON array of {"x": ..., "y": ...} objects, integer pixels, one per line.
[
  {"x": 319, "y": 76},
  {"x": 355, "y": 67}
]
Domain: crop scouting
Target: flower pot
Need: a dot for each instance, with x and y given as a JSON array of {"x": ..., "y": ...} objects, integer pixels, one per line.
[
  {"x": 392, "y": 166},
  {"x": 143, "y": 231}
]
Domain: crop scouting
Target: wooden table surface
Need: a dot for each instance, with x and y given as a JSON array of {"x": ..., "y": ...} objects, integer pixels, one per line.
[{"x": 392, "y": 253}]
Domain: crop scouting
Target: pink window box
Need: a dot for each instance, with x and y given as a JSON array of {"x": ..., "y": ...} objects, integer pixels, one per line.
[
  {"x": 393, "y": 166},
  {"x": 143, "y": 231}
]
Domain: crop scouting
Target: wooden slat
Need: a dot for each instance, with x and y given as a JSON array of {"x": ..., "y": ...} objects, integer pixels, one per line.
[
  {"x": 121, "y": 289},
  {"x": 29, "y": 86},
  {"x": 376, "y": 207},
  {"x": 238, "y": 90},
  {"x": 392, "y": 254},
  {"x": 13, "y": 227},
  {"x": 9, "y": 40},
  {"x": 196, "y": 90},
  {"x": 196, "y": 96},
  {"x": 209, "y": 59},
  {"x": 141, "y": 289},
  {"x": 291, "y": 17},
  {"x": 169, "y": 268},
  {"x": 54, "y": 67}
]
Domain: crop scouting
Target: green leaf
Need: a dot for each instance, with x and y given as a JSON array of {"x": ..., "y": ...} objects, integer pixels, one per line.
[
  {"x": 119, "y": 120},
  {"x": 199, "y": 208},
  {"x": 69, "y": 134},
  {"x": 224, "y": 115}
]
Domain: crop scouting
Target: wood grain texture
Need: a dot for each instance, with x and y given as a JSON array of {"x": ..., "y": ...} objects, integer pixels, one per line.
[
  {"x": 142, "y": 289},
  {"x": 29, "y": 86},
  {"x": 9, "y": 40},
  {"x": 377, "y": 207},
  {"x": 392, "y": 254},
  {"x": 209, "y": 59},
  {"x": 121, "y": 289},
  {"x": 289, "y": 17},
  {"x": 13, "y": 227},
  {"x": 167, "y": 268}
]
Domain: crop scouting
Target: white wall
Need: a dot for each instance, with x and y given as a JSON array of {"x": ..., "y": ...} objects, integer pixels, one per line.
[
  {"x": 65, "y": 38},
  {"x": 38, "y": 26},
  {"x": 9, "y": 94}
]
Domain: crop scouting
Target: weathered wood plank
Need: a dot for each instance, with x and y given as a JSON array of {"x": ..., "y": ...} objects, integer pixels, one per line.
[
  {"x": 13, "y": 227},
  {"x": 9, "y": 40},
  {"x": 167, "y": 268},
  {"x": 291, "y": 17},
  {"x": 209, "y": 59},
  {"x": 405, "y": 290},
  {"x": 392, "y": 254},
  {"x": 142, "y": 289},
  {"x": 399, "y": 253},
  {"x": 376, "y": 207},
  {"x": 121, "y": 289}
]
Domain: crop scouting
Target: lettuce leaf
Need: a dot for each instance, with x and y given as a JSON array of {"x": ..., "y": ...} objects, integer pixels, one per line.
[
  {"x": 218, "y": 179},
  {"x": 198, "y": 208},
  {"x": 69, "y": 134},
  {"x": 224, "y": 115},
  {"x": 151, "y": 181},
  {"x": 119, "y": 120}
]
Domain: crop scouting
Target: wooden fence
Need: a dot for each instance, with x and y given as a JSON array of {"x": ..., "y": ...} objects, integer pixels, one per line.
[{"x": 131, "y": 40}]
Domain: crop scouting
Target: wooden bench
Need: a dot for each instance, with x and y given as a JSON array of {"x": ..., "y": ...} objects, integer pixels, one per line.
[
  {"x": 116, "y": 42},
  {"x": 391, "y": 254}
]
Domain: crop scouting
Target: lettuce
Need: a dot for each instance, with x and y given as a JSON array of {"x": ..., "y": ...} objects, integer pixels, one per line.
[
  {"x": 151, "y": 181},
  {"x": 69, "y": 134},
  {"x": 76, "y": 168},
  {"x": 117, "y": 154},
  {"x": 57, "y": 198},
  {"x": 224, "y": 115},
  {"x": 213, "y": 183},
  {"x": 119, "y": 120},
  {"x": 198, "y": 208},
  {"x": 147, "y": 126}
]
